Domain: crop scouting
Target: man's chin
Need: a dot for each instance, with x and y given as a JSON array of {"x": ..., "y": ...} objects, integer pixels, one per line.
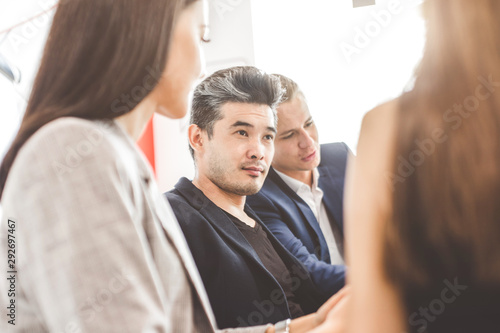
[
  {"x": 308, "y": 166},
  {"x": 248, "y": 189},
  {"x": 253, "y": 188},
  {"x": 313, "y": 164}
]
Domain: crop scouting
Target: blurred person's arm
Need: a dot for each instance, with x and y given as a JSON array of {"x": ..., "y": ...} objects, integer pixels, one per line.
[
  {"x": 321, "y": 320},
  {"x": 334, "y": 313},
  {"x": 368, "y": 200},
  {"x": 84, "y": 253}
]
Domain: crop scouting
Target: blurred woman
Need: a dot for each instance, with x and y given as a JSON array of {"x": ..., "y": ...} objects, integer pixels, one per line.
[
  {"x": 92, "y": 245},
  {"x": 422, "y": 211}
]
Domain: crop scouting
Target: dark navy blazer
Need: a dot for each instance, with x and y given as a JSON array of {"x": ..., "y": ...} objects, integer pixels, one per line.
[
  {"x": 292, "y": 221},
  {"x": 241, "y": 290}
]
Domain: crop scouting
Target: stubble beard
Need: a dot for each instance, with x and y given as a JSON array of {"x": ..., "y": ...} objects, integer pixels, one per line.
[{"x": 221, "y": 177}]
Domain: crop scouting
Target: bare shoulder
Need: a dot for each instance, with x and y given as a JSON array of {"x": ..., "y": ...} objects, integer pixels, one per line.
[
  {"x": 368, "y": 206},
  {"x": 369, "y": 171},
  {"x": 381, "y": 119},
  {"x": 378, "y": 134}
]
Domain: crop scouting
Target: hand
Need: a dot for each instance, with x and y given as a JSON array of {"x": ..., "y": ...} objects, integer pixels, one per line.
[
  {"x": 326, "y": 317},
  {"x": 329, "y": 305},
  {"x": 335, "y": 321}
]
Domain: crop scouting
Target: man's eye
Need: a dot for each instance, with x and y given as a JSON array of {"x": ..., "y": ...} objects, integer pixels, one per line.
[
  {"x": 241, "y": 132},
  {"x": 309, "y": 123},
  {"x": 269, "y": 137},
  {"x": 288, "y": 136}
]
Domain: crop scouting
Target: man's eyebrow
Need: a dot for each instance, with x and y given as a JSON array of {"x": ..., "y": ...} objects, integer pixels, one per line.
[
  {"x": 272, "y": 129},
  {"x": 241, "y": 123},
  {"x": 245, "y": 124},
  {"x": 287, "y": 132},
  {"x": 293, "y": 129}
]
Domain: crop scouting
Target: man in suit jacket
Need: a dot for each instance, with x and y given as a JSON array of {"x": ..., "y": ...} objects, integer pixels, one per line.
[
  {"x": 250, "y": 277},
  {"x": 301, "y": 200}
]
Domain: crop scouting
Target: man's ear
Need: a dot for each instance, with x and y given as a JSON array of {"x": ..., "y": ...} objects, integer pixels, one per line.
[{"x": 195, "y": 137}]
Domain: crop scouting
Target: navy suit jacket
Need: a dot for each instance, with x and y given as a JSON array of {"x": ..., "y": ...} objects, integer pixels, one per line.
[
  {"x": 292, "y": 221},
  {"x": 241, "y": 290}
]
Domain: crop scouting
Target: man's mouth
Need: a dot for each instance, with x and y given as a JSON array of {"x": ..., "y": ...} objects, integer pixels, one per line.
[
  {"x": 254, "y": 170},
  {"x": 310, "y": 157}
]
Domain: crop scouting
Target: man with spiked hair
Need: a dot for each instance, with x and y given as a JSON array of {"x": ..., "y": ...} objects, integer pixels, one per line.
[{"x": 250, "y": 277}]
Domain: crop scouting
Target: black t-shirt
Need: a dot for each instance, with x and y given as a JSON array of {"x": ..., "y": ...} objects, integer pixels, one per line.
[{"x": 257, "y": 238}]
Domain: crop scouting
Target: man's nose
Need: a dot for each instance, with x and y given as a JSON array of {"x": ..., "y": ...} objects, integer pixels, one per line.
[
  {"x": 305, "y": 140},
  {"x": 256, "y": 150}
]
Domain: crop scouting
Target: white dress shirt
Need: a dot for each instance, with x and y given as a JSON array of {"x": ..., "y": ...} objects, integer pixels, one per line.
[{"x": 313, "y": 196}]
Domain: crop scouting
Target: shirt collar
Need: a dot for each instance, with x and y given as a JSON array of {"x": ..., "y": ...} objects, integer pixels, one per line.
[{"x": 295, "y": 184}]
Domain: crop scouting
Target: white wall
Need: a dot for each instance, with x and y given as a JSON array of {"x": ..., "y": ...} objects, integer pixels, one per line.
[
  {"x": 303, "y": 40},
  {"x": 298, "y": 38},
  {"x": 232, "y": 45},
  {"x": 23, "y": 48}
]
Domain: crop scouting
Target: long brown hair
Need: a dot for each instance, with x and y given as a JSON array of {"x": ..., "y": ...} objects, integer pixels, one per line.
[
  {"x": 445, "y": 222},
  {"x": 97, "y": 51}
]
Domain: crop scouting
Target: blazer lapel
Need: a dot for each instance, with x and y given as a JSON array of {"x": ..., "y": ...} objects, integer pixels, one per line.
[
  {"x": 177, "y": 237},
  {"x": 218, "y": 219},
  {"x": 173, "y": 231},
  {"x": 164, "y": 219},
  {"x": 332, "y": 198},
  {"x": 301, "y": 204}
]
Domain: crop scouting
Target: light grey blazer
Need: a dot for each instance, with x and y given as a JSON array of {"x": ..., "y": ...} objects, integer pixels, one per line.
[{"x": 97, "y": 247}]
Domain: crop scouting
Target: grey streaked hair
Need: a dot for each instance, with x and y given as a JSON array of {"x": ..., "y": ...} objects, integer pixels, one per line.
[
  {"x": 291, "y": 88},
  {"x": 241, "y": 84}
]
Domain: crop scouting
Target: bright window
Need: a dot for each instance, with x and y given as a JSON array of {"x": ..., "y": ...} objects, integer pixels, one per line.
[{"x": 346, "y": 60}]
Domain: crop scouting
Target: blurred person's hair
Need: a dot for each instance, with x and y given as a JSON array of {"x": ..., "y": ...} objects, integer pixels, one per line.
[
  {"x": 291, "y": 88},
  {"x": 445, "y": 222},
  {"x": 97, "y": 51},
  {"x": 241, "y": 84}
]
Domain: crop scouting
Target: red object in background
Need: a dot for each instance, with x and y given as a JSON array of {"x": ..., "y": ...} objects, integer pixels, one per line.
[{"x": 147, "y": 144}]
